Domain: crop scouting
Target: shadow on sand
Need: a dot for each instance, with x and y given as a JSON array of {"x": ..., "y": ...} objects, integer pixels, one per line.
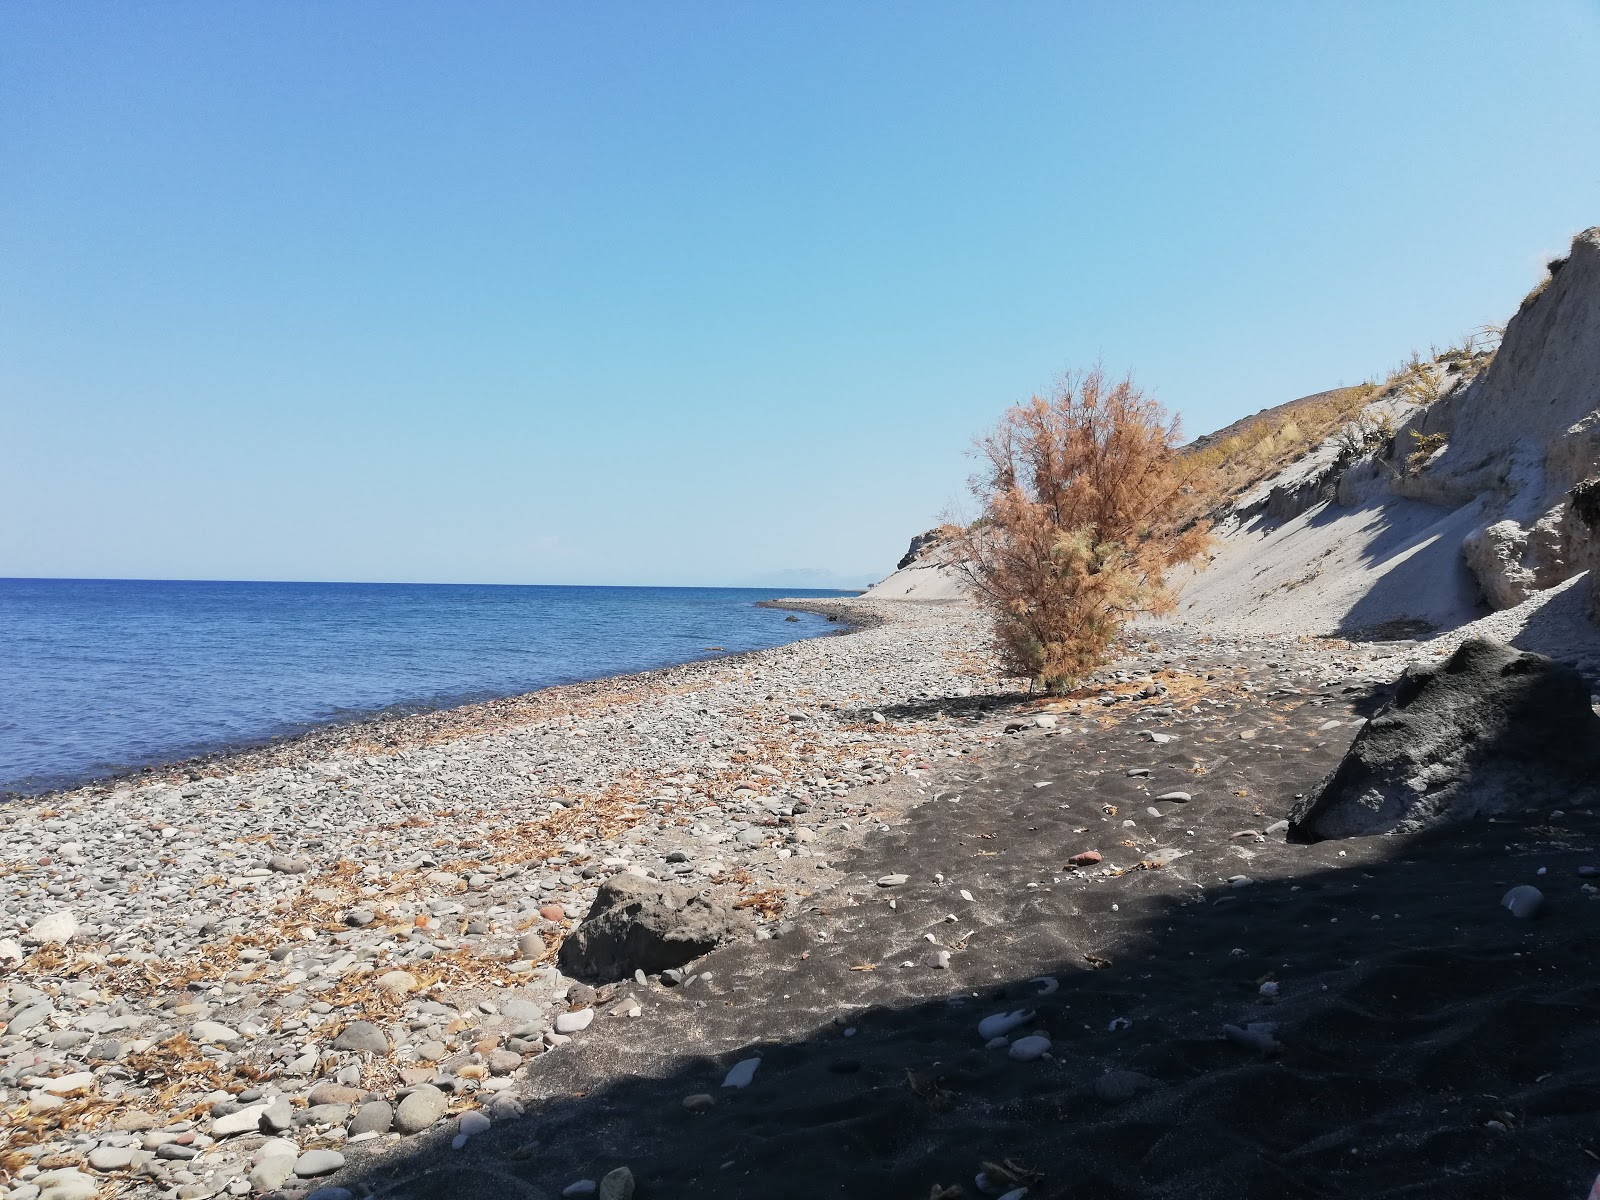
[{"x": 1431, "y": 1044}]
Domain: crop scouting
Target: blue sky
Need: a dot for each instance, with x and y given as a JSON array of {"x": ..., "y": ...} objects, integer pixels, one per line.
[{"x": 700, "y": 293}]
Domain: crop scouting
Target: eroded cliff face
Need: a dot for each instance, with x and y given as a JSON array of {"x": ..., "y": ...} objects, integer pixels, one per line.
[
  {"x": 1476, "y": 490},
  {"x": 1522, "y": 436}
]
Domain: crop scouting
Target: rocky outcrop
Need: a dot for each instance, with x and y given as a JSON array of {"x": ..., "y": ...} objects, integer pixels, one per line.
[
  {"x": 1526, "y": 432},
  {"x": 638, "y": 924},
  {"x": 1494, "y": 730},
  {"x": 1512, "y": 562},
  {"x": 925, "y": 543},
  {"x": 928, "y": 571}
]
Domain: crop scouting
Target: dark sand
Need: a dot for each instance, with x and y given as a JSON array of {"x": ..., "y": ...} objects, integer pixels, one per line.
[{"x": 1413, "y": 1010}]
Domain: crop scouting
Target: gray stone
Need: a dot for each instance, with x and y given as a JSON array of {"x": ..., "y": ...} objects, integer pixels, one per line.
[
  {"x": 420, "y": 1109},
  {"x": 318, "y": 1162},
  {"x": 328, "y": 1114},
  {"x": 269, "y": 1174},
  {"x": 375, "y": 1116},
  {"x": 111, "y": 1158},
  {"x": 1026, "y": 1049},
  {"x": 574, "y": 1022},
  {"x": 333, "y": 1093},
  {"x": 245, "y": 1120},
  {"x": 640, "y": 924},
  {"x": 362, "y": 1036},
  {"x": 278, "y": 1116},
  {"x": 65, "y": 1184},
  {"x": 521, "y": 1010},
  {"x": 617, "y": 1185},
  {"x": 212, "y": 1031},
  {"x": 1524, "y": 901},
  {"x": 1493, "y": 731},
  {"x": 530, "y": 944},
  {"x": 502, "y": 1062},
  {"x": 34, "y": 1015}
]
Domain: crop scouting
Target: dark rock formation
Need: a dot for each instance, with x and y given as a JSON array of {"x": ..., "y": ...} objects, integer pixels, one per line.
[
  {"x": 639, "y": 924},
  {"x": 924, "y": 543},
  {"x": 1583, "y": 533},
  {"x": 1494, "y": 730}
]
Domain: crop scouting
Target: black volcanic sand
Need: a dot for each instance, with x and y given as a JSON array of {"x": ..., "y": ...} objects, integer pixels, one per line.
[{"x": 1431, "y": 1043}]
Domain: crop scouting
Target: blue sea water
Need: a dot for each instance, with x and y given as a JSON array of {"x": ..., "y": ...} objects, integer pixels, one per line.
[{"x": 98, "y": 676}]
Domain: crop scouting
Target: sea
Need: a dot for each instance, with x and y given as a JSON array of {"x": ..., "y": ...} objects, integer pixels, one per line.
[{"x": 99, "y": 677}]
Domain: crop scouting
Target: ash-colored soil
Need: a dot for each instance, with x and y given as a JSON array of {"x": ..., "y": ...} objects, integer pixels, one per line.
[{"x": 1428, "y": 1042}]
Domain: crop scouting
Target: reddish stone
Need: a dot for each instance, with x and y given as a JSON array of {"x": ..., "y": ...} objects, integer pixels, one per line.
[
  {"x": 551, "y": 912},
  {"x": 1087, "y": 859}
]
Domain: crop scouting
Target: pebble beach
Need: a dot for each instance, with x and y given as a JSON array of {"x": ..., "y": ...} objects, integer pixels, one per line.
[{"x": 294, "y": 933}]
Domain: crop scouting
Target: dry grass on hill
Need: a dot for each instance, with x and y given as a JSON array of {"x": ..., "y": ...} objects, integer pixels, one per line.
[{"x": 1223, "y": 465}]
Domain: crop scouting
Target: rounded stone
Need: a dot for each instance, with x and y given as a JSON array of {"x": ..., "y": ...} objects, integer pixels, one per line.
[
  {"x": 363, "y": 1037},
  {"x": 333, "y": 1093},
  {"x": 396, "y": 983},
  {"x": 1524, "y": 901},
  {"x": 1027, "y": 1049},
  {"x": 269, "y": 1174},
  {"x": 66, "y": 1184},
  {"x": 373, "y": 1117},
  {"x": 574, "y": 1022},
  {"x": 110, "y": 1158},
  {"x": 530, "y": 945},
  {"x": 419, "y": 1109},
  {"x": 212, "y": 1031},
  {"x": 318, "y": 1162}
]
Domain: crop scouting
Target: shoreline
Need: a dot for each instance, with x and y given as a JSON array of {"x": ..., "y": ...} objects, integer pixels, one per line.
[
  {"x": 255, "y": 753},
  {"x": 176, "y": 946}
]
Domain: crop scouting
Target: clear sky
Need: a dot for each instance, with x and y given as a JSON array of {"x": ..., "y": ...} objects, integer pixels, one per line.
[{"x": 697, "y": 293}]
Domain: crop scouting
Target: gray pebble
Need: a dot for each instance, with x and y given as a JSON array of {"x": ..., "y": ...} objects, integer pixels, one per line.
[{"x": 1524, "y": 901}]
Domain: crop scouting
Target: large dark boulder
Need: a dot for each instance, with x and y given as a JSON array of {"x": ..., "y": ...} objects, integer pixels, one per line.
[
  {"x": 637, "y": 924},
  {"x": 1494, "y": 730}
]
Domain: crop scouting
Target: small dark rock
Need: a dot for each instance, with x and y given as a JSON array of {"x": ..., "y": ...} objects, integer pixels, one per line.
[{"x": 640, "y": 924}]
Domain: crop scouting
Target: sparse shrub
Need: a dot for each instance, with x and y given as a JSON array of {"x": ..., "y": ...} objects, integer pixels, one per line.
[
  {"x": 1365, "y": 434},
  {"x": 1080, "y": 523},
  {"x": 1416, "y": 380},
  {"x": 1426, "y": 445}
]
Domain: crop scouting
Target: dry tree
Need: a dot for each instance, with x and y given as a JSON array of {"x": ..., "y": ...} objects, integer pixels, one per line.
[{"x": 1080, "y": 522}]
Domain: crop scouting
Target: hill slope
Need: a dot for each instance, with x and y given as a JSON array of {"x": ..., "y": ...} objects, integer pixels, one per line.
[{"x": 1464, "y": 486}]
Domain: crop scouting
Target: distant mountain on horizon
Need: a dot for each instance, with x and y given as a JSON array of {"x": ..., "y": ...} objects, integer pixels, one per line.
[{"x": 813, "y": 577}]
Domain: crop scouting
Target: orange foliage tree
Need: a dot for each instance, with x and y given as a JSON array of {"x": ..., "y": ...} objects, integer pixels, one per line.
[{"x": 1080, "y": 523}]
